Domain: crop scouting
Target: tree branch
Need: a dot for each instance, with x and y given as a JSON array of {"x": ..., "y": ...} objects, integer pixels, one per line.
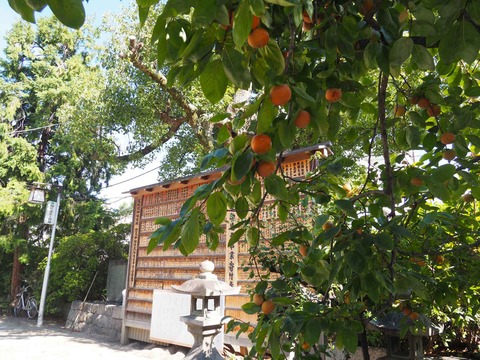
[{"x": 192, "y": 114}]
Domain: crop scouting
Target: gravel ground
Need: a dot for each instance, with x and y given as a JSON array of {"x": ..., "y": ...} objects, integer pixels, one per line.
[{"x": 20, "y": 338}]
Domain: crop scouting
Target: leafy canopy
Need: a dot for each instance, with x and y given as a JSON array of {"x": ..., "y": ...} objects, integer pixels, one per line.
[{"x": 394, "y": 83}]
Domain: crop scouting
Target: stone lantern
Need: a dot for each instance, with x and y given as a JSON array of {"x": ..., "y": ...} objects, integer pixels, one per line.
[{"x": 205, "y": 319}]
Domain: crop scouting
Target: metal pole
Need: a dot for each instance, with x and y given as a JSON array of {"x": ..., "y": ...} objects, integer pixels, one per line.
[{"x": 47, "y": 268}]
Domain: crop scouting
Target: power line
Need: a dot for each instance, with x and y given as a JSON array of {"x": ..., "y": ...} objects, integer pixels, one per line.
[
  {"x": 133, "y": 178},
  {"x": 33, "y": 129},
  {"x": 113, "y": 202}
]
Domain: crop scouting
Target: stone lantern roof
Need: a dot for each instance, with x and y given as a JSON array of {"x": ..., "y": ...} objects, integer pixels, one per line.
[{"x": 206, "y": 283}]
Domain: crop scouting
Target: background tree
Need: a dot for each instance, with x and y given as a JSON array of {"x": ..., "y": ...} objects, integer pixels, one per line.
[
  {"x": 392, "y": 77},
  {"x": 16, "y": 170}
]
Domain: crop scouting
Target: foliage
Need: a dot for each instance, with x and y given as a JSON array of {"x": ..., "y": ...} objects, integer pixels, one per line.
[
  {"x": 76, "y": 261},
  {"x": 406, "y": 234}
]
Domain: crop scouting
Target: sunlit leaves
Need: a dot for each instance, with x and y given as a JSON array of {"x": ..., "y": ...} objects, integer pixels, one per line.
[
  {"x": 217, "y": 208},
  {"x": 214, "y": 81}
]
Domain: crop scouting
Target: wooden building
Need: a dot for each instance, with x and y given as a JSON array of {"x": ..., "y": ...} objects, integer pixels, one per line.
[{"x": 161, "y": 269}]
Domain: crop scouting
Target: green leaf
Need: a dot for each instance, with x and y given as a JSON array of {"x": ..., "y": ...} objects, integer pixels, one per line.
[
  {"x": 473, "y": 91},
  {"x": 474, "y": 139},
  {"x": 70, "y": 12},
  {"x": 241, "y": 207},
  {"x": 206, "y": 11},
  {"x": 257, "y": 7},
  {"x": 384, "y": 241},
  {"x": 302, "y": 94},
  {"x": 274, "y": 342},
  {"x": 235, "y": 66},
  {"x": 223, "y": 134},
  {"x": 413, "y": 136},
  {"x": 285, "y": 3},
  {"x": 401, "y": 51},
  {"x": 273, "y": 57},
  {"x": 22, "y": 8},
  {"x": 242, "y": 24},
  {"x": 347, "y": 339},
  {"x": 347, "y": 207},
  {"x": 143, "y": 14},
  {"x": 241, "y": 165},
  {"x": 188, "y": 205},
  {"x": 313, "y": 330},
  {"x": 37, "y": 5},
  {"x": 162, "y": 221},
  {"x": 443, "y": 173},
  {"x": 356, "y": 261},
  {"x": 250, "y": 308},
  {"x": 462, "y": 42},
  {"x": 214, "y": 81},
  {"x": 217, "y": 207},
  {"x": 190, "y": 235},
  {"x": 159, "y": 29},
  {"x": 253, "y": 236},
  {"x": 236, "y": 236},
  {"x": 276, "y": 187},
  {"x": 418, "y": 287},
  {"x": 146, "y": 3},
  {"x": 238, "y": 144},
  {"x": 266, "y": 114},
  {"x": 422, "y": 58}
]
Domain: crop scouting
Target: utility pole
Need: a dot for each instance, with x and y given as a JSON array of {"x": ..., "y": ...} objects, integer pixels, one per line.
[{"x": 53, "y": 221}]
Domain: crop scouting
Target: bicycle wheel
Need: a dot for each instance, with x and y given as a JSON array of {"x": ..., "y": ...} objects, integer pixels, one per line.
[
  {"x": 17, "y": 309},
  {"x": 32, "y": 310}
]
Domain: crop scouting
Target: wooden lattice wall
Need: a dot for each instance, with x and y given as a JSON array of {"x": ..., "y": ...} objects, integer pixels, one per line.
[{"x": 161, "y": 269}]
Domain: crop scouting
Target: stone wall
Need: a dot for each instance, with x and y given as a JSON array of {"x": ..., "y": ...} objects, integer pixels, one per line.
[{"x": 104, "y": 321}]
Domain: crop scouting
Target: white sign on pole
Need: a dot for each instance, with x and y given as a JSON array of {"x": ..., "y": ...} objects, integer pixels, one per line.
[{"x": 49, "y": 218}]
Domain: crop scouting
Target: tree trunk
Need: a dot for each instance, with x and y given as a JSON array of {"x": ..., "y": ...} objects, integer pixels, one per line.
[{"x": 16, "y": 271}]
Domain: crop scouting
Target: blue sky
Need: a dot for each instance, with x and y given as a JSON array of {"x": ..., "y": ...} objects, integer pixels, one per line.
[{"x": 93, "y": 8}]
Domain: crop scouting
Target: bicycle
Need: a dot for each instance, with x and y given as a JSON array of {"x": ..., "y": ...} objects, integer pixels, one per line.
[{"x": 25, "y": 302}]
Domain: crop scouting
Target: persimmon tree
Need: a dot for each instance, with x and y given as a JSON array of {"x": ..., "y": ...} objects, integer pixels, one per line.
[{"x": 397, "y": 83}]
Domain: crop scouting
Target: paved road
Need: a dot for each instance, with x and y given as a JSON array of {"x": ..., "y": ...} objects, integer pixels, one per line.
[{"x": 20, "y": 338}]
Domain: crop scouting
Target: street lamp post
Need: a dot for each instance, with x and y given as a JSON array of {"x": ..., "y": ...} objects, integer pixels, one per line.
[{"x": 50, "y": 252}]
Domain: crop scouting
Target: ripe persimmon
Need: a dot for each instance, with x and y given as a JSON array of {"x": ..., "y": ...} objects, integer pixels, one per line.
[
  {"x": 306, "y": 26},
  {"x": 261, "y": 143},
  {"x": 467, "y": 197},
  {"x": 414, "y": 100},
  {"x": 280, "y": 94},
  {"x": 266, "y": 168},
  {"x": 328, "y": 225},
  {"x": 414, "y": 315},
  {"x": 303, "y": 119},
  {"x": 406, "y": 311},
  {"x": 255, "y": 22},
  {"x": 449, "y": 154},
  {"x": 447, "y": 138},
  {"x": 303, "y": 250},
  {"x": 399, "y": 110},
  {"x": 258, "y": 38},
  {"x": 268, "y": 306},
  {"x": 305, "y": 346},
  {"x": 333, "y": 94},
  {"x": 433, "y": 110},
  {"x": 439, "y": 259},
  {"x": 423, "y": 103},
  {"x": 258, "y": 299},
  {"x": 366, "y": 6},
  {"x": 306, "y": 17},
  {"x": 416, "y": 181}
]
